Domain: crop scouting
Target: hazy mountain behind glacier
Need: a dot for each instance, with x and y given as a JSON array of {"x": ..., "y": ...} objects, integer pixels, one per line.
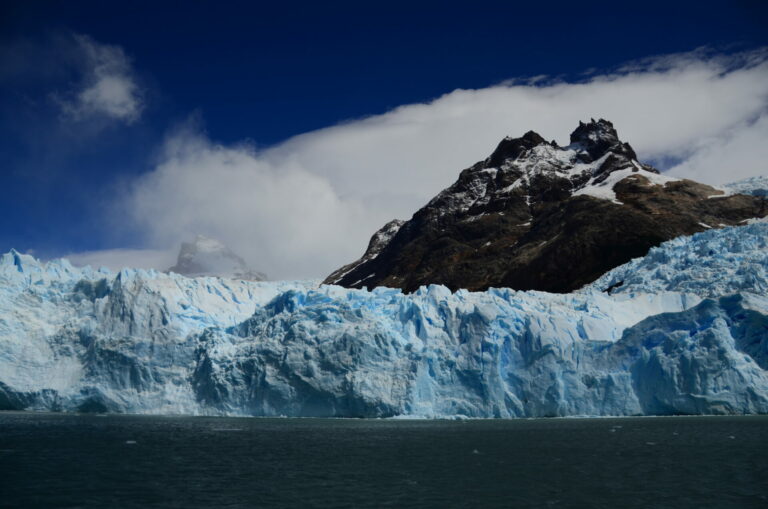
[{"x": 209, "y": 257}]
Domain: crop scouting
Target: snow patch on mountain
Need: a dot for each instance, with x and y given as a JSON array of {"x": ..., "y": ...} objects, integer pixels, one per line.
[{"x": 602, "y": 188}]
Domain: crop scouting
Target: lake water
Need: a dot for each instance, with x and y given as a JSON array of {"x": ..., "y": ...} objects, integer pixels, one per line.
[{"x": 59, "y": 460}]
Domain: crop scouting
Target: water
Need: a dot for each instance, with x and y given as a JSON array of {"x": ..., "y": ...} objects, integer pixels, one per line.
[{"x": 58, "y": 460}]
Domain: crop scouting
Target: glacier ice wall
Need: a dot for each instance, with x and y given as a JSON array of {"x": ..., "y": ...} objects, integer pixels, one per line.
[{"x": 685, "y": 333}]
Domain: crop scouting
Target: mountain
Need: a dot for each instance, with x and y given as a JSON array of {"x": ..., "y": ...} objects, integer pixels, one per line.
[
  {"x": 209, "y": 257},
  {"x": 538, "y": 216},
  {"x": 77, "y": 339}
]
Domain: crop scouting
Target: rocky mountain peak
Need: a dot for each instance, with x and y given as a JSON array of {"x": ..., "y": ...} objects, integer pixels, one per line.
[
  {"x": 209, "y": 257},
  {"x": 597, "y": 138},
  {"x": 512, "y": 148}
]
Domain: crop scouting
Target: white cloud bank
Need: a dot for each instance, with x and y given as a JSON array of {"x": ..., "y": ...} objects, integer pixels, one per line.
[
  {"x": 116, "y": 259},
  {"x": 308, "y": 205},
  {"x": 107, "y": 88}
]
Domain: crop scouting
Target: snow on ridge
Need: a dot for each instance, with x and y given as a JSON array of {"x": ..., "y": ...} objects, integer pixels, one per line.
[
  {"x": 208, "y": 244},
  {"x": 604, "y": 189},
  {"x": 573, "y": 162},
  {"x": 564, "y": 161}
]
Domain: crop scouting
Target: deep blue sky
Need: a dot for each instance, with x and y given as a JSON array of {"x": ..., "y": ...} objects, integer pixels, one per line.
[{"x": 264, "y": 72}]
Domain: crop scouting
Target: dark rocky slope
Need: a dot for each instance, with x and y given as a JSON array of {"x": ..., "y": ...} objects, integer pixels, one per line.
[{"x": 536, "y": 216}]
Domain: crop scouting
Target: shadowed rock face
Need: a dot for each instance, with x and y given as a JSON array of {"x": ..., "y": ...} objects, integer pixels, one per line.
[{"x": 536, "y": 216}]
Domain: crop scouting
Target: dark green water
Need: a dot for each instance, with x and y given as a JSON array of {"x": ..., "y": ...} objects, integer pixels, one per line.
[{"x": 53, "y": 460}]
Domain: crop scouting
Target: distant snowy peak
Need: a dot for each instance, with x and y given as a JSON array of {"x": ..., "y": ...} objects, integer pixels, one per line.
[
  {"x": 597, "y": 138},
  {"x": 535, "y": 215},
  {"x": 209, "y": 257}
]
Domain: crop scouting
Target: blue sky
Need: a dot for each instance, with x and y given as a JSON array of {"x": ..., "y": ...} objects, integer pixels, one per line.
[{"x": 126, "y": 129}]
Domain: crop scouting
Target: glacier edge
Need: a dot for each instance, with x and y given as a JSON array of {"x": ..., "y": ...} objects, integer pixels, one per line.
[{"x": 663, "y": 342}]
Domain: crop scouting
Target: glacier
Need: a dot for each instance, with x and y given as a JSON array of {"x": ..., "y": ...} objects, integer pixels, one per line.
[
  {"x": 683, "y": 330},
  {"x": 709, "y": 264},
  {"x": 756, "y": 186}
]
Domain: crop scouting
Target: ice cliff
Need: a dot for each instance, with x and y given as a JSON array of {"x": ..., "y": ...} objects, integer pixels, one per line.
[{"x": 683, "y": 330}]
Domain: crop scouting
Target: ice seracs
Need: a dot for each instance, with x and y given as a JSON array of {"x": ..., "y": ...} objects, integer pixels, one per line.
[
  {"x": 709, "y": 264},
  {"x": 756, "y": 186}
]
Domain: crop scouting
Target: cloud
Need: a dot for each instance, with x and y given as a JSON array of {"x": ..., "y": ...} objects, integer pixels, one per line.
[
  {"x": 664, "y": 111},
  {"x": 282, "y": 217},
  {"x": 733, "y": 154},
  {"x": 116, "y": 259},
  {"x": 107, "y": 86},
  {"x": 309, "y": 205}
]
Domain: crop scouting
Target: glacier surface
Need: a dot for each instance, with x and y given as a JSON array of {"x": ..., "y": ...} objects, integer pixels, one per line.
[
  {"x": 756, "y": 186},
  {"x": 712, "y": 263},
  {"x": 685, "y": 332}
]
